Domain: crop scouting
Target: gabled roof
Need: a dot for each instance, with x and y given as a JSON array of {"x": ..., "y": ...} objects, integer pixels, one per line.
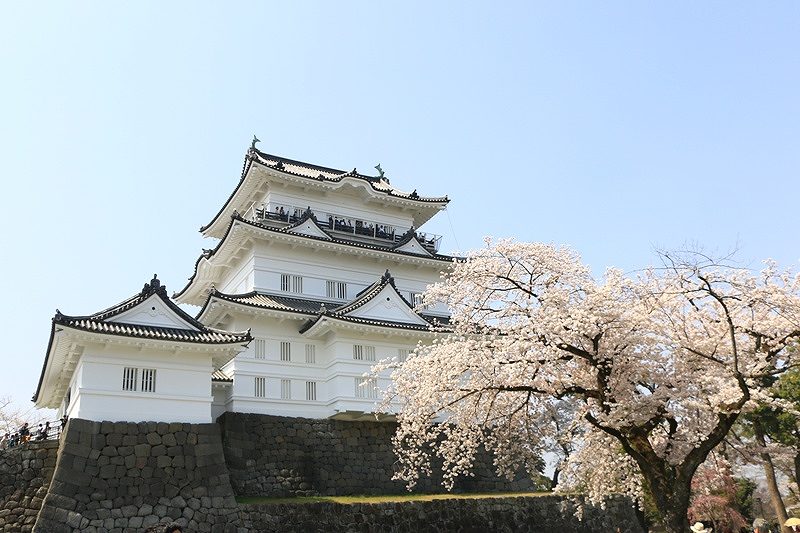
[
  {"x": 110, "y": 321},
  {"x": 355, "y": 312},
  {"x": 149, "y": 315},
  {"x": 308, "y": 225},
  {"x": 272, "y": 302},
  {"x": 238, "y": 221},
  {"x": 411, "y": 243},
  {"x": 291, "y": 168}
]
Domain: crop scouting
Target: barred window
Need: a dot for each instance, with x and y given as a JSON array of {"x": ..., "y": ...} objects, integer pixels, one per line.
[
  {"x": 402, "y": 354},
  {"x": 311, "y": 390},
  {"x": 286, "y": 351},
  {"x": 311, "y": 354},
  {"x": 286, "y": 389},
  {"x": 336, "y": 289},
  {"x": 148, "y": 380},
  {"x": 366, "y": 388},
  {"x": 130, "y": 377},
  {"x": 291, "y": 283},
  {"x": 260, "y": 346},
  {"x": 260, "y": 387},
  {"x": 363, "y": 352}
]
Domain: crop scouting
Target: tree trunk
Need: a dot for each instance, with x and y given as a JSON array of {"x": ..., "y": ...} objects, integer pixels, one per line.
[
  {"x": 772, "y": 482},
  {"x": 671, "y": 496},
  {"x": 797, "y": 470},
  {"x": 554, "y": 481}
]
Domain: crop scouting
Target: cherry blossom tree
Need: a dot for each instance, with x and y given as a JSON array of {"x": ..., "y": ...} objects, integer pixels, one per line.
[
  {"x": 714, "y": 491},
  {"x": 660, "y": 365}
]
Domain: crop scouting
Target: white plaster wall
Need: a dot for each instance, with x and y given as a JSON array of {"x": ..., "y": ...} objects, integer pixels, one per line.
[
  {"x": 334, "y": 371},
  {"x": 183, "y": 386},
  {"x": 220, "y": 399},
  {"x": 357, "y": 271},
  {"x": 239, "y": 278}
]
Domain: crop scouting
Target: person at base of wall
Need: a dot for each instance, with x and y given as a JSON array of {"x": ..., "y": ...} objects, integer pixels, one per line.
[{"x": 700, "y": 527}]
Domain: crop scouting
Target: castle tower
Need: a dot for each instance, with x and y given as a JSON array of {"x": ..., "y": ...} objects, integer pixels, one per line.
[
  {"x": 324, "y": 267},
  {"x": 142, "y": 359},
  {"x": 314, "y": 279}
]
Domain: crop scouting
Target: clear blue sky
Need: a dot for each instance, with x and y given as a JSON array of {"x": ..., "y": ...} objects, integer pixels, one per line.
[{"x": 614, "y": 127}]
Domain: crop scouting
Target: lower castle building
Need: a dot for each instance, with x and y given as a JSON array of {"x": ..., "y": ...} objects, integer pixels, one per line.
[{"x": 315, "y": 276}]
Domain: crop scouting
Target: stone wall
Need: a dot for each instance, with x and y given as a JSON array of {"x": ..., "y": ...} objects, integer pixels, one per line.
[
  {"x": 123, "y": 477},
  {"x": 25, "y": 474},
  {"x": 535, "y": 514},
  {"x": 281, "y": 456},
  {"x": 129, "y": 477}
]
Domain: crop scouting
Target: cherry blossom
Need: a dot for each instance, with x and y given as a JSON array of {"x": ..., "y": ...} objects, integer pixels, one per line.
[{"x": 657, "y": 364}]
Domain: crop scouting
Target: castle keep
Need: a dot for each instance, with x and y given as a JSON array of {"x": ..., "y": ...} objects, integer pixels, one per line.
[{"x": 314, "y": 278}]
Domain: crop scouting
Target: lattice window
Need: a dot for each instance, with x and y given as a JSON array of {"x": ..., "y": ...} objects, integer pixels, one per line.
[
  {"x": 286, "y": 389},
  {"x": 311, "y": 390},
  {"x": 286, "y": 351},
  {"x": 148, "y": 380},
  {"x": 130, "y": 378},
  {"x": 291, "y": 283},
  {"x": 336, "y": 289},
  {"x": 260, "y": 346},
  {"x": 311, "y": 354},
  {"x": 260, "y": 387},
  {"x": 363, "y": 352},
  {"x": 366, "y": 388}
]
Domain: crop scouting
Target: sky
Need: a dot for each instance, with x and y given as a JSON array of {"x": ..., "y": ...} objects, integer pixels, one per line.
[{"x": 617, "y": 128}]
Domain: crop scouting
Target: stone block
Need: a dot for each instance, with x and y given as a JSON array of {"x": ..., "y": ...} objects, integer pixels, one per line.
[{"x": 142, "y": 450}]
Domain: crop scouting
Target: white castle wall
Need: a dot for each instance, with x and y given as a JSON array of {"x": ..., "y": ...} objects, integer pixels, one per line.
[{"x": 183, "y": 382}]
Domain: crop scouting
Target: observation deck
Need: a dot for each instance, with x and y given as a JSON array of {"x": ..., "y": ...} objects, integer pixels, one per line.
[{"x": 339, "y": 226}]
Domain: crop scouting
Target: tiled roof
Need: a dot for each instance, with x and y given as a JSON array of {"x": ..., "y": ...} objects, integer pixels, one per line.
[
  {"x": 208, "y": 253},
  {"x": 209, "y": 336},
  {"x": 349, "y": 242},
  {"x": 219, "y": 375},
  {"x": 369, "y": 322},
  {"x": 269, "y": 301},
  {"x": 99, "y": 322},
  {"x": 316, "y": 309},
  {"x": 368, "y": 294},
  {"x": 317, "y": 173}
]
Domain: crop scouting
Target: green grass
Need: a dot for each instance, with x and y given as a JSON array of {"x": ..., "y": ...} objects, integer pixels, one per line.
[{"x": 349, "y": 500}]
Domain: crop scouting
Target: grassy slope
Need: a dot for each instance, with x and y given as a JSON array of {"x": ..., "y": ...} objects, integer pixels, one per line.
[{"x": 347, "y": 500}]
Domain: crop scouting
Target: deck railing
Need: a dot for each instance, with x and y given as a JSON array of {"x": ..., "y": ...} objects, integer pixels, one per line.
[{"x": 283, "y": 214}]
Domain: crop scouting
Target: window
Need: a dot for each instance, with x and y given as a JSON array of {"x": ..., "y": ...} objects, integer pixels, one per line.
[
  {"x": 311, "y": 354},
  {"x": 129, "y": 378},
  {"x": 402, "y": 354},
  {"x": 291, "y": 283},
  {"x": 260, "y": 388},
  {"x": 286, "y": 389},
  {"x": 260, "y": 348},
  {"x": 362, "y": 352},
  {"x": 366, "y": 388},
  {"x": 148, "y": 380},
  {"x": 286, "y": 351},
  {"x": 336, "y": 289},
  {"x": 311, "y": 390}
]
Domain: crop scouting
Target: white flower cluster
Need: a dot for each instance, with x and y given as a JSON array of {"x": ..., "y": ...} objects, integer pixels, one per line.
[{"x": 659, "y": 364}]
